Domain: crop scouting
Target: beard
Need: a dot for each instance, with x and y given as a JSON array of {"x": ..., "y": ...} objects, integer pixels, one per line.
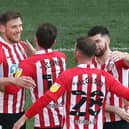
[{"x": 101, "y": 51}]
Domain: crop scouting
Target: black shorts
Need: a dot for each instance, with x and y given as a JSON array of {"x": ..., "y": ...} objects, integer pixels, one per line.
[
  {"x": 7, "y": 120},
  {"x": 116, "y": 125},
  {"x": 49, "y": 128}
]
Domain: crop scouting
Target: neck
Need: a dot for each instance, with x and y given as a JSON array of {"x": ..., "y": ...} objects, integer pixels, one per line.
[
  {"x": 38, "y": 48},
  {"x": 6, "y": 40},
  {"x": 84, "y": 62},
  {"x": 102, "y": 59}
]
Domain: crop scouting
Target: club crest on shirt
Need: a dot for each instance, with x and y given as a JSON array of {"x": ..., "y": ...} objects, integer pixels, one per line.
[
  {"x": 18, "y": 72},
  {"x": 55, "y": 87}
]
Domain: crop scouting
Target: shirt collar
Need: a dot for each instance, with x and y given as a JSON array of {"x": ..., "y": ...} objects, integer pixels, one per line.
[
  {"x": 6, "y": 43},
  {"x": 86, "y": 66},
  {"x": 106, "y": 62},
  {"x": 44, "y": 51}
]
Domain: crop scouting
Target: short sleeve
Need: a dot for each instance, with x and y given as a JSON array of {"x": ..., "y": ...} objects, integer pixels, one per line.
[{"x": 122, "y": 64}]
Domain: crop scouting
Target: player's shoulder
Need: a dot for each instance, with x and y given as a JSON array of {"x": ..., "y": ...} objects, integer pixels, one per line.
[
  {"x": 99, "y": 71},
  {"x": 68, "y": 73},
  {"x": 29, "y": 60},
  {"x": 71, "y": 71},
  {"x": 59, "y": 53}
]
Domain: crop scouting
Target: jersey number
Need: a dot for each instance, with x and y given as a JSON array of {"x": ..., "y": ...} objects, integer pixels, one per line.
[{"x": 93, "y": 102}]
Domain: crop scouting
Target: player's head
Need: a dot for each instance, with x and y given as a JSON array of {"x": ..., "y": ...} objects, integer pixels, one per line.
[
  {"x": 46, "y": 35},
  {"x": 9, "y": 15},
  {"x": 100, "y": 35},
  {"x": 84, "y": 48},
  {"x": 11, "y": 26}
]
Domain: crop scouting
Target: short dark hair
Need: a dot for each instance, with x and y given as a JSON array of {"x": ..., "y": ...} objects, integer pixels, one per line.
[
  {"x": 46, "y": 34},
  {"x": 8, "y": 15},
  {"x": 86, "y": 46},
  {"x": 98, "y": 30}
]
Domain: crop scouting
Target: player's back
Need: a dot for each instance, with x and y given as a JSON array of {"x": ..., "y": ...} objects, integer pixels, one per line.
[
  {"x": 85, "y": 97},
  {"x": 45, "y": 66},
  {"x": 84, "y": 89},
  {"x": 47, "y": 63}
]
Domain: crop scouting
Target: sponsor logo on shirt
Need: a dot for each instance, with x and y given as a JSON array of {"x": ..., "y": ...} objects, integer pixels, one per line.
[{"x": 12, "y": 69}]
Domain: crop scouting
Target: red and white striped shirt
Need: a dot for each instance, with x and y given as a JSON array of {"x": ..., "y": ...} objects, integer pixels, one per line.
[
  {"x": 45, "y": 66},
  {"x": 120, "y": 72},
  {"x": 85, "y": 89},
  {"x": 11, "y": 55}
]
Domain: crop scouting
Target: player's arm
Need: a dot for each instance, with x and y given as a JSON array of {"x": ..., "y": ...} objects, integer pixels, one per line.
[
  {"x": 9, "y": 85},
  {"x": 6, "y": 85},
  {"x": 116, "y": 87},
  {"x": 29, "y": 48},
  {"x": 20, "y": 122},
  {"x": 126, "y": 102},
  {"x": 37, "y": 106},
  {"x": 13, "y": 85},
  {"x": 54, "y": 93},
  {"x": 24, "y": 75},
  {"x": 119, "y": 111}
]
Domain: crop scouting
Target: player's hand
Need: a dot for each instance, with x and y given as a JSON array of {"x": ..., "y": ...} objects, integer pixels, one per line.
[
  {"x": 30, "y": 49},
  {"x": 117, "y": 55},
  {"x": 24, "y": 81},
  {"x": 20, "y": 122},
  {"x": 125, "y": 104},
  {"x": 123, "y": 114}
]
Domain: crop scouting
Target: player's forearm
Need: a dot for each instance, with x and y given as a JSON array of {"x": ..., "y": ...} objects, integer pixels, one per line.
[
  {"x": 119, "y": 89},
  {"x": 110, "y": 108},
  {"x": 119, "y": 111},
  {"x": 5, "y": 81},
  {"x": 6, "y": 85},
  {"x": 113, "y": 109},
  {"x": 38, "y": 105},
  {"x": 20, "y": 122},
  {"x": 12, "y": 85}
]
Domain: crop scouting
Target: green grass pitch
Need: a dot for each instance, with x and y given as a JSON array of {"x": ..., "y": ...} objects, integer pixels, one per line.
[{"x": 73, "y": 18}]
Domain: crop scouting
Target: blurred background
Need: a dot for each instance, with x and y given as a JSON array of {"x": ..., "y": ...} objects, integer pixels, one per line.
[{"x": 73, "y": 18}]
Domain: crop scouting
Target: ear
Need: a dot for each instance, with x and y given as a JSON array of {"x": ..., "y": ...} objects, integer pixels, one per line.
[
  {"x": 36, "y": 41},
  {"x": 77, "y": 53},
  {"x": 54, "y": 43},
  {"x": 2, "y": 28},
  {"x": 108, "y": 40}
]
